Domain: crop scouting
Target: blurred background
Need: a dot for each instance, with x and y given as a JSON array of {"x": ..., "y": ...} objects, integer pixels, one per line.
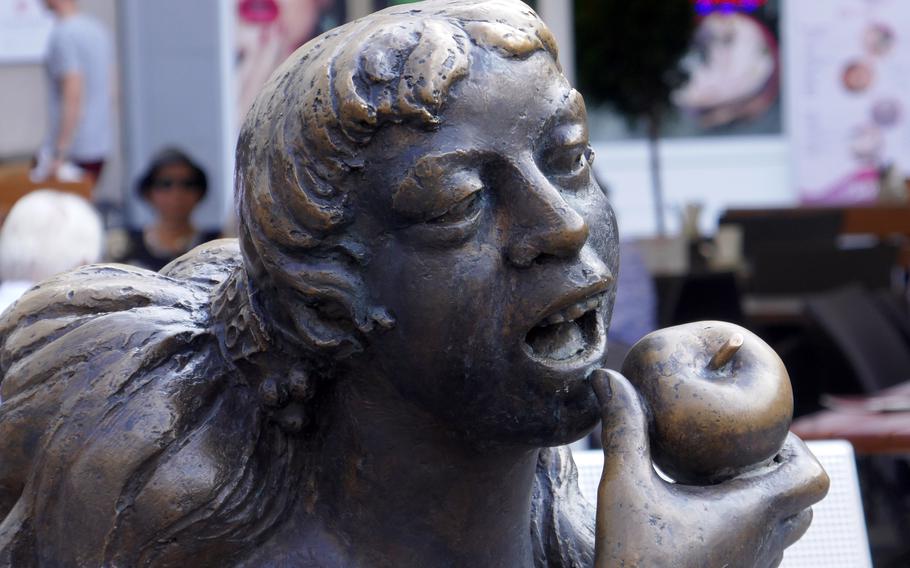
[{"x": 756, "y": 153}]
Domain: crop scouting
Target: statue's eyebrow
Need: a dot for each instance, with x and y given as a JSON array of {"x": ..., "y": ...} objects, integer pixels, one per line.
[
  {"x": 435, "y": 182},
  {"x": 570, "y": 134},
  {"x": 569, "y": 113}
]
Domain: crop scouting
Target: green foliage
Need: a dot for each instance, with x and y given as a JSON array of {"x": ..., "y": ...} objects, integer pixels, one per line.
[{"x": 628, "y": 53}]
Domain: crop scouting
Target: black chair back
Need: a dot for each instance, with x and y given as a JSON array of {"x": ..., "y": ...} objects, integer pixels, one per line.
[
  {"x": 874, "y": 348},
  {"x": 804, "y": 271},
  {"x": 788, "y": 230}
]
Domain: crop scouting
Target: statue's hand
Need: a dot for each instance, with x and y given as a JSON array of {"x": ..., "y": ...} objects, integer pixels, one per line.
[{"x": 644, "y": 521}]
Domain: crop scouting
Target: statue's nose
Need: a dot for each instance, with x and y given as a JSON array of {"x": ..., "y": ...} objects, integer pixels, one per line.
[{"x": 545, "y": 224}]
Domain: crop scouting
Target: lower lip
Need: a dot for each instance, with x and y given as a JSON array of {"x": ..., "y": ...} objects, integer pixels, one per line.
[{"x": 593, "y": 354}]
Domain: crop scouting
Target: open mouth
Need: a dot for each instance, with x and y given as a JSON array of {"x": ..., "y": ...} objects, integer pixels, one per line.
[{"x": 573, "y": 333}]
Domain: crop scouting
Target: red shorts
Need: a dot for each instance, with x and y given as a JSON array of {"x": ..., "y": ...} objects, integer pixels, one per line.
[{"x": 92, "y": 168}]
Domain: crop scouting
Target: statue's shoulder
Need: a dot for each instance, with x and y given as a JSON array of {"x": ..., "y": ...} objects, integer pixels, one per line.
[{"x": 114, "y": 409}]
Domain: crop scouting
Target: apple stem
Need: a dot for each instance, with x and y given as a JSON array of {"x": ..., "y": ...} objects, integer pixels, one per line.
[{"x": 726, "y": 352}]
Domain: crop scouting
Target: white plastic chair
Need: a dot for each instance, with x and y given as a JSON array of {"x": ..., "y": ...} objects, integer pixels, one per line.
[{"x": 837, "y": 537}]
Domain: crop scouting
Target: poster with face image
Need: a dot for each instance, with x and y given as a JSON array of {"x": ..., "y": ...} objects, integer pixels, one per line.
[
  {"x": 267, "y": 31},
  {"x": 848, "y": 94},
  {"x": 732, "y": 72},
  {"x": 733, "y": 69}
]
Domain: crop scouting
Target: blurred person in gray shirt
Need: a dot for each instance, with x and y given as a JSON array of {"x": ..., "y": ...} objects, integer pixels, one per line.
[{"x": 79, "y": 64}]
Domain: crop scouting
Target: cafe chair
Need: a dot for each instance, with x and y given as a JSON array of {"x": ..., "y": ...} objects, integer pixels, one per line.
[
  {"x": 799, "y": 271},
  {"x": 895, "y": 308},
  {"x": 782, "y": 231},
  {"x": 873, "y": 347},
  {"x": 837, "y": 537},
  {"x": 697, "y": 297}
]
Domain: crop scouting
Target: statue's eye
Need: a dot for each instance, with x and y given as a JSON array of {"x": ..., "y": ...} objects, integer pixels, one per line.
[
  {"x": 465, "y": 211},
  {"x": 568, "y": 164}
]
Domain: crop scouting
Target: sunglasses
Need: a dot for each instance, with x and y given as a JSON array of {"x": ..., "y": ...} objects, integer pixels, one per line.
[{"x": 170, "y": 183}]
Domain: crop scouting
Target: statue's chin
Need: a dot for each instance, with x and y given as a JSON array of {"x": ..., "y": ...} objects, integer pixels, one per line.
[{"x": 555, "y": 422}]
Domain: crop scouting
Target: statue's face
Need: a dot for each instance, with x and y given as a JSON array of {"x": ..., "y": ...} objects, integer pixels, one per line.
[{"x": 495, "y": 250}]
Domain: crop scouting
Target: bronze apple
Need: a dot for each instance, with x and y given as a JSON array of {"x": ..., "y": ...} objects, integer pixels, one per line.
[{"x": 719, "y": 399}]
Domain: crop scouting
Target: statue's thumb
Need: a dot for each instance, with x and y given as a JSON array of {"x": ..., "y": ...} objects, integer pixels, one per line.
[{"x": 624, "y": 421}]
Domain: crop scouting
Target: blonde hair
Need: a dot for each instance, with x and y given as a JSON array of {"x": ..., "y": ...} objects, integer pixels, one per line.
[{"x": 48, "y": 232}]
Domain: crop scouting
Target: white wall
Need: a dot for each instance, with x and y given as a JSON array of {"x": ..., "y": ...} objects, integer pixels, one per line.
[
  {"x": 23, "y": 109},
  {"x": 716, "y": 172},
  {"x": 177, "y": 92},
  {"x": 559, "y": 18}
]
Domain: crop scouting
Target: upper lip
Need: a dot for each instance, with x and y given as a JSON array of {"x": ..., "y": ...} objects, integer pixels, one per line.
[{"x": 581, "y": 300}]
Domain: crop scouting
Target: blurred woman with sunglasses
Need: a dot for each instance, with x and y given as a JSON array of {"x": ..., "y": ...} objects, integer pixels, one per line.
[{"x": 173, "y": 185}]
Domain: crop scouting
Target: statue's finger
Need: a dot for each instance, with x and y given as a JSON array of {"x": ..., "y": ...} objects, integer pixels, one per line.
[
  {"x": 600, "y": 380},
  {"x": 624, "y": 421}
]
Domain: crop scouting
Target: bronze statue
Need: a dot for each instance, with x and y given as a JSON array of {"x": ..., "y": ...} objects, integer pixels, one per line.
[{"x": 380, "y": 371}]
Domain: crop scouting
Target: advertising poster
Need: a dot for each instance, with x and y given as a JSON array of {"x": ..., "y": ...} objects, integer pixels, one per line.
[
  {"x": 733, "y": 72},
  {"x": 848, "y": 94},
  {"x": 267, "y": 31},
  {"x": 25, "y": 26},
  {"x": 733, "y": 69}
]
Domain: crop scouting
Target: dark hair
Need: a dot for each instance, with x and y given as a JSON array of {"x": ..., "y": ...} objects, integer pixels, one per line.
[{"x": 169, "y": 157}]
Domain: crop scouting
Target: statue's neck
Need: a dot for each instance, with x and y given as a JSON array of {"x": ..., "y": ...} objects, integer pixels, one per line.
[
  {"x": 397, "y": 487},
  {"x": 386, "y": 483}
]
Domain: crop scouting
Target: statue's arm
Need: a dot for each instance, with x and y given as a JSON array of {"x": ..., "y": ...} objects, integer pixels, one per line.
[{"x": 644, "y": 521}]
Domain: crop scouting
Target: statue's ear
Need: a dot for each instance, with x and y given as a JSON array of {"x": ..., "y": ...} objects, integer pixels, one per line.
[
  {"x": 320, "y": 295},
  {"x": 333, "y": 312}
]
